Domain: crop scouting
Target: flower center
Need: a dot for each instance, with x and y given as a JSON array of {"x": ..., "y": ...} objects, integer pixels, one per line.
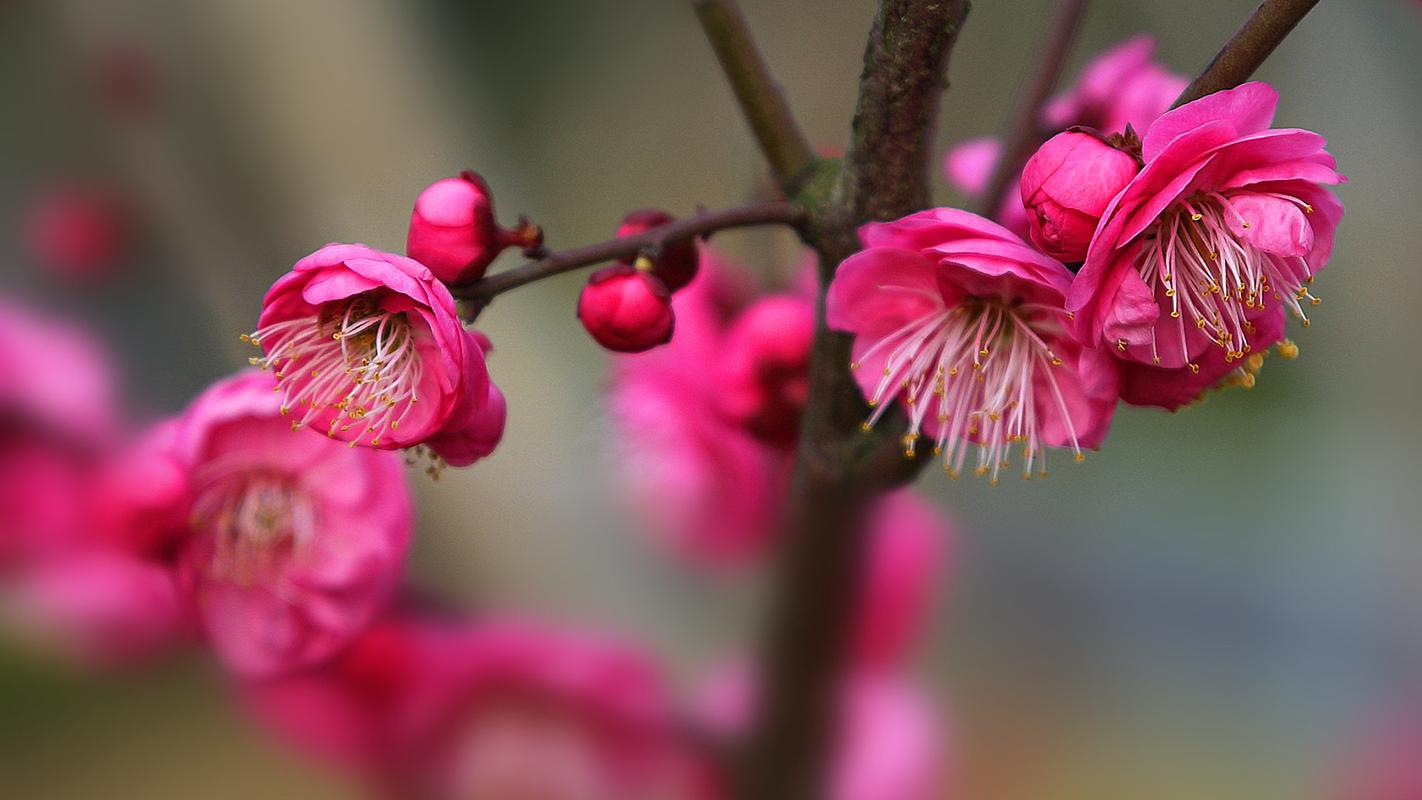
[
  {"x": 257, "y": 522},
  {"x": 356, "y": 360},
  {"x": 1214, "y": 280},
  {"x": 976, "y": 369}
]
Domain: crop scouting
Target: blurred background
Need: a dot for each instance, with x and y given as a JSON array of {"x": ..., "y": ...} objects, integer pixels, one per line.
[{"x": 1223, "y": 603}]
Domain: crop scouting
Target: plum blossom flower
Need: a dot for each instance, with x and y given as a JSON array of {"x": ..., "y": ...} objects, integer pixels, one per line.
[
  {"x": 709, "y": 490},
  {"x": 454, "y": 233},
  {"x": 367, "y": 347},
  {"x": 1067, "y": 184},
  {"x": 909, "y": 544},
  {"x": 765, "y": 366},
  {"x": 1197, "y": 259},
  {"x": 77, "y": 232},
  {"x": 1122, "y": 86},
  {"x": 963, "y": 323},
  {"x": 294, "y": 542}
]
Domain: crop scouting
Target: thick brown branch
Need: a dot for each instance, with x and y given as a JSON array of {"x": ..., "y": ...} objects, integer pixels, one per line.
[
  {"x": 779, "y": 136},
  {"x": 834, "y": 487},
  {"x": 1026, "y": 132},
  {"x": 479, "y": 293},
  {"x": 1248, "y": 48}
]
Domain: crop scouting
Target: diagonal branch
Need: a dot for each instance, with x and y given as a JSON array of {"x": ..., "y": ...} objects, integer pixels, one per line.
[
  {"x": 1248, "y": 48},
  {"x": 1026, "y": 132},
  {"x": 478, "y": 294},
  {"x": 779, "y": 136}
]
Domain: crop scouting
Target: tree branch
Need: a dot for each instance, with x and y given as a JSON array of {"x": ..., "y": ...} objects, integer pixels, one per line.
[
  {"x": 1025, "y": 135},
  {"x": 779, "y": 136},
  {"x": 480, "y": 292},
  {"x": 1248, "y": 48},
  {"x": 838, "y": 469}
]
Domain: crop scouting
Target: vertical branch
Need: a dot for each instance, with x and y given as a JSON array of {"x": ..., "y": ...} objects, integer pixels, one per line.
[
  {"x": 775, "y": 129},
  {"x": 1248, "y": 48},
  {"x": 839, "y": 470},
  {"x": 1026, "y": 131}
]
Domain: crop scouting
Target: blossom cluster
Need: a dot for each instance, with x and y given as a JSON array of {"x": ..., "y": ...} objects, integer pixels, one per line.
[{"x": 1145, "y": 269}]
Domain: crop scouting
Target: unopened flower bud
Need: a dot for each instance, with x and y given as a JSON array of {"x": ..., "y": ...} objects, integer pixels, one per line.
[
  {"x": 626, "y": 309},
  {"x": 453, "y": 230},
  {"x": 677, "y": 262},
  {"x": 1066, "y": 187}
]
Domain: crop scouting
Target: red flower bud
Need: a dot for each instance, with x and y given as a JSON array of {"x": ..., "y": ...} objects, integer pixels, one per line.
[
  {"x": 677, "y": 263},
  {"x": 626, "y": 309},
  {"x": 1066, "y": 187},
  {"x": 453, "y": 230}
]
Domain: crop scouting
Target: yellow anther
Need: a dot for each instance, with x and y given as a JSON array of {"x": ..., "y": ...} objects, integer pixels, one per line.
[
  {"x": 1196, "y": 217},
  {"x": 1195, "y": 368},
  {"x": 1287, "y": 349},
  {"x": 1079, "y": 457}
]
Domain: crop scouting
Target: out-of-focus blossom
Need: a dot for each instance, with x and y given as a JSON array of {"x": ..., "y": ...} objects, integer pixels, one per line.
[
  {"x": 77, "y": 232},
  {"x": 707, "y": 488},
  {"x": 454, "y": 232},
  {"x": 295, "y": 542},
  {"x": 626, "y": 310},
  {"x": 1202, "y": 253},
  {"x": 498, "y": 709},
  {"x": 1123, "y": 85},
  {"x": 125, "y": 77},
  {"x": 1066, "y": 186},
  {"x": 57, "y": 417},
  {"x": 889, "y": 743},
  {"x": 1386, "y": 764},
  {"x": 677, "y": 262},
  {"x": 367, "y": 348},
  {"x": 963, "y": 322},
  {"x": 904, "y": 564},
  {"x": 765, "y": 366}
]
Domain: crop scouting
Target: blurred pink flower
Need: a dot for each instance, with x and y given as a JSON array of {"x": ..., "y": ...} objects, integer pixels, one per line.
[
  {"x": 963, "y": 322},
  {"x": 1387, "y": 764},
  {"x": 295, "y": 542},
  {"x": 889, "y": 743},
  {"x": 1066, "y": 185},
  {"x": 77, "y": 232},
  {"x": 904, "y": 564},
  {"x": 1223, "y": 230},
  {"x": 367, "y": 347},
  {"x": 707, "y": 488},
  {"x": 1122, "y": 85},
  {"x": 765, "y": 367}
]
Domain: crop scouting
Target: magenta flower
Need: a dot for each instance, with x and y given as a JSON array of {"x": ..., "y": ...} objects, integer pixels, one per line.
[
  {"x": 708, "y": 490},
  {"x": 367, "y": 348},
  {"x": 626, "y": 310},
  {"x": 1122, "y": 86},
  {"x": 77, "y": 232},
  {"x": 454, "y": 233},
  {"x": 908, "y": 537},
  {"x": 295, "y": 542},
  {"x": 765, "y": 367},
  {"x": 1196, "y": 260},
  {"x": 513, "y": 709},
  {"x": 1066, "y": 186},
  {"x": 963, "y": 323}
]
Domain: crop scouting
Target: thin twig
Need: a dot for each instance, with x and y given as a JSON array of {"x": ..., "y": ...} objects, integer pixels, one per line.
[
  {"x": 479, "y": 293},
  {"x": 1248, "y": 48},
  {"x": 779, "y": 136},
  {"x": 1026, "y": 132}
]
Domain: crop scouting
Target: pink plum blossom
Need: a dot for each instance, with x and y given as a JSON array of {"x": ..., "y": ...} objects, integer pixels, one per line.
[
  {"x": 367, "y": 348},
  {"x": 677, "y": 262},
  {"x": 294, "y": 542},
  {"x": 908, "y": 539},
  {"x": 1201, "y": 254},
  {"x": 1065, "y": 187},
  {"x": 707, "y": 488},
  {"x": 765, "y": 367},
  {"x": 962, "y": 322},
  {"x": 454, "y": 233},
  {"x": 1122, "y": 86},
  {"x": 626, "y": 310}
]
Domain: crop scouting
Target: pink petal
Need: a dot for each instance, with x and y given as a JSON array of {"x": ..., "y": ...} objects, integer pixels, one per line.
[{"x": 1248, "y": 108}]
